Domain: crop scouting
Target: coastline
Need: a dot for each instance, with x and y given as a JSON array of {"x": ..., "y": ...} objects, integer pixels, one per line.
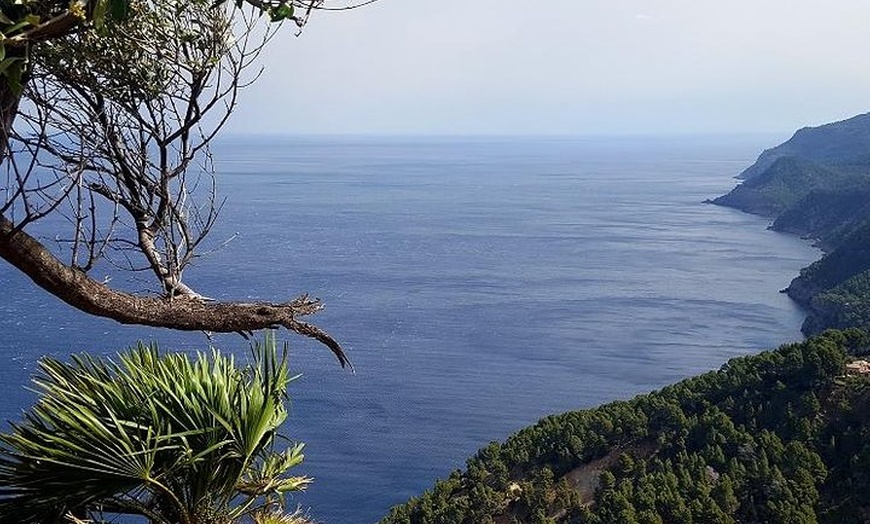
[{"x": 799, "y": 289}]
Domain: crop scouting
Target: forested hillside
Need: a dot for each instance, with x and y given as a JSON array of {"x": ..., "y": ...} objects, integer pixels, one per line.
[
  {"x": 780, "y": 437},
  {"x": 835, "y": 143},
  {"x": 817, "y": 184}
]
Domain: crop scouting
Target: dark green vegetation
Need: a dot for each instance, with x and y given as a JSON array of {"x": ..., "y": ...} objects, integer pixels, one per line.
[
  {"x": 168, "y": 437},
  {"x": 780, "y": 437},
  {"x": 817, "y": 184}
]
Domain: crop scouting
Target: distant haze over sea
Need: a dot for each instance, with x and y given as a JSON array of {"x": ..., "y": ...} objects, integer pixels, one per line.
[{"x": 478, "y": 284}]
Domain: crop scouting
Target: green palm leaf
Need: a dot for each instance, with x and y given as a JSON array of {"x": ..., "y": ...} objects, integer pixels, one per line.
[{"x": 172, "y": 437}]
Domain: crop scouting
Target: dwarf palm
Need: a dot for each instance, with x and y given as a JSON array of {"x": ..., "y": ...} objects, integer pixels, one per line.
[{"x": 175, "y": 438}]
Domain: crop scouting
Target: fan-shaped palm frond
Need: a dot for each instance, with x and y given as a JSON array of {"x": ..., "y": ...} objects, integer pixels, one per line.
[{"x": 172, "y": 437}]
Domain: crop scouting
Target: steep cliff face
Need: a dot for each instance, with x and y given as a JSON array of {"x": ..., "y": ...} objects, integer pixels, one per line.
[
  {"x": 843, "y": 142},
  {"x": 830, "y": 216},
  {"x": 835, "y": 291},
  {"x": 786, "y": 182},
  {"x": 817, "y": 185}
]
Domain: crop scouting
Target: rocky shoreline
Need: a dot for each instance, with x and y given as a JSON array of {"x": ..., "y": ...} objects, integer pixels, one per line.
[{"x": 817, "y": 185}]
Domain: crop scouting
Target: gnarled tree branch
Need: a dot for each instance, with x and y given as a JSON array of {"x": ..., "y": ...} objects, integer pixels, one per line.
[
  {"x": 117, "y": 136},
  {"x": 181, "y": 313}
]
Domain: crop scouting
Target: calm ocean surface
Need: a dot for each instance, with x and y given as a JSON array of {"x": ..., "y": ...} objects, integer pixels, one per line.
[{"x": 478, "y": 284}]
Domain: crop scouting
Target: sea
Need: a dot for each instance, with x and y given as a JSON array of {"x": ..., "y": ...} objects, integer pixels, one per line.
[{"x": 477, "y": 283}]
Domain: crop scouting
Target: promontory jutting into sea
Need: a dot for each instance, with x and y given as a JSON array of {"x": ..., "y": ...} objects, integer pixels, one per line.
[{"x": 477, "y": 283}]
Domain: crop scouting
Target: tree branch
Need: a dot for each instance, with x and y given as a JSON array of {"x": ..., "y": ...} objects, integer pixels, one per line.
[
  {"x": 55, "y": 27},
  {"x": 182, "y": 313}
]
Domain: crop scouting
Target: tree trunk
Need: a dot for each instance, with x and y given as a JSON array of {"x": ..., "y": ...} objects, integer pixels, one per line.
[{"x": 9, "y": 101}]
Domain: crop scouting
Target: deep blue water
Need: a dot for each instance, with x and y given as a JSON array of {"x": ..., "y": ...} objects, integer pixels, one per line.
[{"x": 479, "y": 284}]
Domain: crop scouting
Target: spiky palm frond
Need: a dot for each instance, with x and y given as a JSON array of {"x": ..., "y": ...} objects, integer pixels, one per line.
[
  {"x": 171, "y": 437},
  {"x": 278, "y": 517}
]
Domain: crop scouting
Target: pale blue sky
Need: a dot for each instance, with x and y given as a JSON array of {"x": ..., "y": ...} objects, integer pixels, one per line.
[{"x": 566, "y": 67}]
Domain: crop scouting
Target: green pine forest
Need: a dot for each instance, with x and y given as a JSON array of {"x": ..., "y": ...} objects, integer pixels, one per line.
[{"x": 779, "y": 437}]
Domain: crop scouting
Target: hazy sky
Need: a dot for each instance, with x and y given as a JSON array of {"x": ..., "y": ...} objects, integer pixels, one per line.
[{"x": 566, "y": 67}]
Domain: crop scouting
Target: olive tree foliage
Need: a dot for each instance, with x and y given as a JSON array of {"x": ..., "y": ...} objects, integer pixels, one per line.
[
  {"x": 122, "y": 98},
  {"x": 116, "y": 131},
  {"x": 25, "y": 23}
]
